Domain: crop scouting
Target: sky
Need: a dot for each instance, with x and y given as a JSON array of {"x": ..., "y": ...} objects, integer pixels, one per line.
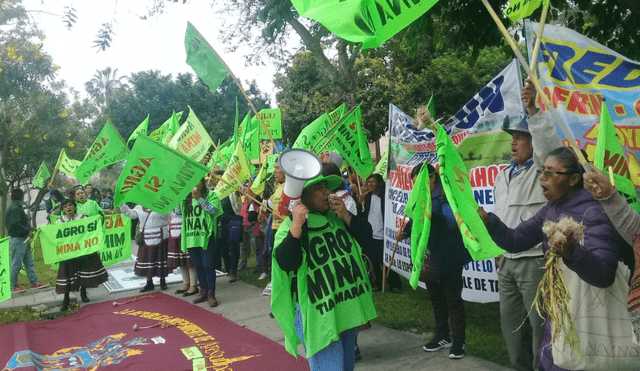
[{"x": 138, "y": 45}]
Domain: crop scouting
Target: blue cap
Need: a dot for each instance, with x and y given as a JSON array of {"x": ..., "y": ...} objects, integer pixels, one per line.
[{"x": 522, "y": 127}]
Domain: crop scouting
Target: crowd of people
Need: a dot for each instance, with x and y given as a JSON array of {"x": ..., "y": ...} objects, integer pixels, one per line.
[{"x": 324, "y": 257}]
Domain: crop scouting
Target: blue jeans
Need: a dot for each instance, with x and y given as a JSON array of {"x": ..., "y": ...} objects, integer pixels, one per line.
[
  {"x": 203, "y": 260},
  {"x": 339, "y": 355},
  {"x": 21, "y": 254}
]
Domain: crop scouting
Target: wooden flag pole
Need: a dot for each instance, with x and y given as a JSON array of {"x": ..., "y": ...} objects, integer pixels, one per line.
[
  {"x": 385, "y": 270},
  {"x": 330, "y": 130},
  {"x": 235, "y": 79},
  {"x": 563, "y": 127},
  {"x": 55, "y": 171},
  {"x": 326, "y": 144},
  {"x": 536, "y": 48},
  {"x": 248, "y": 195}
]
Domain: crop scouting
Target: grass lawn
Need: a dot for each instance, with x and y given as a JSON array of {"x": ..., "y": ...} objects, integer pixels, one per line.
[{"x": 411, "y": 311}]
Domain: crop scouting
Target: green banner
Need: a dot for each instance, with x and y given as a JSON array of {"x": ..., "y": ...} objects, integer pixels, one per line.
[
  {"x": 419, "y": 210},
  {"x": 369, "y": 22},
  {"x": 203, "y": 59},
  {"x": 67, "y": 165},
  {"x": 350, "y": 142},
  {"x": 337, "y": 113},
  {"x": 381, "y": 167},
  {"x": 456, "y": 185},
  {"x": 64, "y": 241},
  {"x": 41, "y": 175},
  {"x": 192, "y": 139},
  {"x": 518, "y": 9},
  {"x": 117, "y": 239},
  {"x": 238, "y": 170},
  {"x": 107, "y": 149},
  {"x": 143, "y": 129},
  {"x": 272, "y": 118},
  {"x": 5, "y": 268},
  {"x": 609, "y": 152},
  {"x": 156, "y": 176}
]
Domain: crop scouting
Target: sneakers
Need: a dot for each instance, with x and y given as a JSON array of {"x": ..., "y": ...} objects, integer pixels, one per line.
[
  {"x": 263, "y": 276},
  {"x": 457, "y": 349},
  {"x": 18, "y": 289},
  {"x": 437, "y": 343},
  {"x": 40, "y": 285}
]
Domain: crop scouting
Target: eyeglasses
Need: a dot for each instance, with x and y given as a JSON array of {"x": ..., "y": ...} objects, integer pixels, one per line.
[{"x": 550, "y": 173}]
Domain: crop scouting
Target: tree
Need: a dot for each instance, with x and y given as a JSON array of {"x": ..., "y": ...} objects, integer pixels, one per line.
[
  {"x": 34, "y": 116},
  {"x": 157, "y": 95},
  {"x": 103, "y": 84}
]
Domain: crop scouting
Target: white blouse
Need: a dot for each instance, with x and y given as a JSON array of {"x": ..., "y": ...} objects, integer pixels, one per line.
[{"x": 154, "y": 226}]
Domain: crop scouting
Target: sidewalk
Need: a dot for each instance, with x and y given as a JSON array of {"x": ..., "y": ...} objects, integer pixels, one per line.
[{"x": 382, "y": 348}]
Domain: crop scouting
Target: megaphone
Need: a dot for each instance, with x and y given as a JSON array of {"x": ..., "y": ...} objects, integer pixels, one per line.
[{"x": 299, "y": 165}]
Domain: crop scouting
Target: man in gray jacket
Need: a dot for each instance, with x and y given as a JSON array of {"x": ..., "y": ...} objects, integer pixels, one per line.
[{"x": 518, "y": 197}]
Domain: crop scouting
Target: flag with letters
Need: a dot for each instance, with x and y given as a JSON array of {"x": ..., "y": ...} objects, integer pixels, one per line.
[
  {"x": 518, "y": 9},
  {"x": 67, "y": 165},
  {"x": 369, "y": 22},
  {"x": 238, "y": 170},
  {"x": 157, "y": 177},
  {"x": 108, "y": 148},
  {"x": 192, "y": 138}
]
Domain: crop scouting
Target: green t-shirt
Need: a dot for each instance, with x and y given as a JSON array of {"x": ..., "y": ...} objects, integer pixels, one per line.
[
  {"x": 89, "y": 208},
  {"x": 333, "y": 287},
  {"x": 198, "y": 225}
]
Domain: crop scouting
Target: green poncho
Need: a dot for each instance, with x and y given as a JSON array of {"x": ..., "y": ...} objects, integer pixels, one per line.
[
  {"x": 198, "y": 225},
  {"x": 333, "y": 286},
  {"x": 89, "y": 208}
]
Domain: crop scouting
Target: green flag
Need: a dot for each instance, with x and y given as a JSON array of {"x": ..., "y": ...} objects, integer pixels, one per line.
[
  {"x": 381, "y": 167},
  {"x": 168, "y": 128},
  {"x": 272, "y": 118},
  {"x": 64, "y": 241},
  {"x": 192, "y": 138},
  {"x": 369, "y": 22},
  {"x": 418, "y": 208},
  {"x": 143, "y": 128},
  {"x": 337, "y": 113},
  {"x": 5, "y": 279},
  {"x": 518, "y": 9},
  {"x": 431, "y": 106},
  {"x": 238, "y": 169},
  {"x": 203, "y": 59},
  {"x": 271, "y": 163},
  {"x": 258, "y": 183},
  {"x": 311, "y": 134},
  {"x": 350, "y": 142},
  {"x": 108, "y": 148},
  {"x": 67, "y": 165},
  {"x": 41, "y": 175},
  {"x": 455, "y": 182},
  {"x": 117, "y": 239},
  {"x": 609, "y": 152},
  {"x": 156, "y": 176}
]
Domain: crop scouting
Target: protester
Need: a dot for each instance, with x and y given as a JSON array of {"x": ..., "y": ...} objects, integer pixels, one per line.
[
  {"x": 230, "y": 234},
  {"x": 627, "y": 223},
  {"x": 257, "y": 215},
  {"x": 373, "y": 211},
  {"x": 330, "y": 168},
  {"x": 247, "y": 228},
  {"x": 85, "y": 206},
  {"x": 447, "y": 255},
  {"x": 53, "y": 204},
  {"x": 325, "y": 322},
  {"x": 153, "y": 252},
  {"x": 594, "y": 260},
  {"x": 106, "y": 200},
  {"x": 176, "y": 258},
  {"x": 200, "y": 212},
  {"x": 517, "y": 197},
  {"x": 81, "y": 272},
  {"x": 20, "y": 232},
  {"x": 92, "y": 193}
]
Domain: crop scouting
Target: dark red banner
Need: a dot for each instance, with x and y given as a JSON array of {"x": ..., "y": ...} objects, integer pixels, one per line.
[{"x": 145, "y": 332}]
